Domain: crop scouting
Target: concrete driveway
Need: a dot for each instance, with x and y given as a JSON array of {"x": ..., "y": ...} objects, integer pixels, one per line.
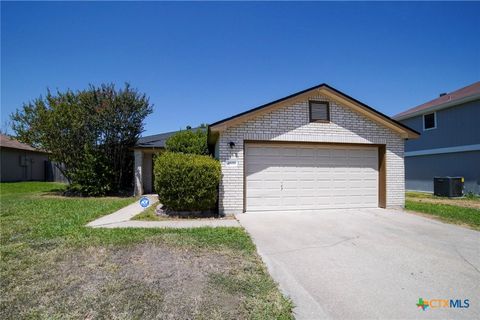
[{"x": 368, "y": 263}]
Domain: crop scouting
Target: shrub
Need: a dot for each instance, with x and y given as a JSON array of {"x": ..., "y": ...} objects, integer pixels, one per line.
[
  {"x": 190, "y": 141},
  {"x": 90, "y": 132},
  {"x": 187, "y": 182}
]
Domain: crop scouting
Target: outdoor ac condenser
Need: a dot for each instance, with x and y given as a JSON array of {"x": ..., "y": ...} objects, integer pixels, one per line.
[{"x": 448, "y": 186}]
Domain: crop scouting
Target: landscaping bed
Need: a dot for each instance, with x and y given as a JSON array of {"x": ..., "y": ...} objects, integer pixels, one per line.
[
  {"x": 52, "y": 266},
  {"x": 150, "y": 215}
]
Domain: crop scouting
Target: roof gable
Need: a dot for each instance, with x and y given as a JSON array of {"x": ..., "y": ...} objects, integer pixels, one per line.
[{"x": 323, "y": 89}]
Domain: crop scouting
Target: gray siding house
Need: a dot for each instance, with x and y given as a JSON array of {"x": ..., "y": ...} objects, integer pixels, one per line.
[
  {"x": 450, "y": 140},
  {"x": 21, "y": 162}
]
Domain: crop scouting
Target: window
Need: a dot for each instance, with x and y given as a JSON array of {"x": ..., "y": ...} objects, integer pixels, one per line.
[
  {"x": 319, "y": 111},
  {"x": 429, "y": 121}
]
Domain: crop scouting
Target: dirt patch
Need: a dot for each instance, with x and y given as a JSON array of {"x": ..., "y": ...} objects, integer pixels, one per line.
[
  {"x": 465, "y": 203},
  {"x": 143, "y": 281}
]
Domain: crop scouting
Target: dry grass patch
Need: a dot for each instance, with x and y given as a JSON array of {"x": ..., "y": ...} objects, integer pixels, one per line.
[
  {"x": 53, "y": 267},
  {"x": 465, "y": 202},
  {"x": 149, "y": 281}
]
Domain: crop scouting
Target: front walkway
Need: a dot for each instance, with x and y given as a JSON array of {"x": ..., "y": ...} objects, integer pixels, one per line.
[{"x": 121, "y": 219}]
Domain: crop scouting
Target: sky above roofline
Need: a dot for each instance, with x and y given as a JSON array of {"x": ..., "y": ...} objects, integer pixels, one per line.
[{"x": 202, "y": 62}]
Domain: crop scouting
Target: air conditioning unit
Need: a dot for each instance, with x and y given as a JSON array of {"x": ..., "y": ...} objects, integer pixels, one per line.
[{"x": 448, "y": 186}]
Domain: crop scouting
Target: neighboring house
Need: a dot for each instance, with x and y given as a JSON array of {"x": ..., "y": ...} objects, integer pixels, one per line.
[
  {"x": 21, "y": 162},
  {"x": 450, "y": 141},
  {"x": 315, "y": 149},
  {"x": 144, "y": 150}
]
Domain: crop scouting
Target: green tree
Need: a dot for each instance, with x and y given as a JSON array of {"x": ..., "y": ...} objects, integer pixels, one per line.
[
  {"x": 190, "y": 141},
  {"x": 91, "y": 132}
]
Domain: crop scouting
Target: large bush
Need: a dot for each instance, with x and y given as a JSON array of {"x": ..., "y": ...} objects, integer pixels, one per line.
[
  {"x": 90, "y": 132},
  {"x": 187, "y": 182},
  {"x": 190, "y": 141}
]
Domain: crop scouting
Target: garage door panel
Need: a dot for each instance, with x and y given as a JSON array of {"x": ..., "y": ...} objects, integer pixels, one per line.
[
  {"x": 305, "y": 184},
  {"x": 367, "y": 187},
  {"x": 265, "y": 173},
  {"x": 264, "y": 204},
  {"x": 298, "y": 177},
  {"x": 265, "y": 194},
  {"x": 263, "y": 184}
]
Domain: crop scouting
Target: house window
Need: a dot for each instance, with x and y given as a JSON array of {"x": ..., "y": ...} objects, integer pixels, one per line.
[
  {"x": 429, "y": 121},
  {"x": 319, "y": 111}
]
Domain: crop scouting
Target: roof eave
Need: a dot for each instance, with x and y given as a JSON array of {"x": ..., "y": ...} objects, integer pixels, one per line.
[
  {"x": 437, "y": 107},
  {"x": 323, "y": 88}
]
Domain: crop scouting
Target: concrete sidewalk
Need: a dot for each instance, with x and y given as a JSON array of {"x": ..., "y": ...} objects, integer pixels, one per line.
[
  {"x": 124, "y": 214},
  {"x": 122, "y": 219}
]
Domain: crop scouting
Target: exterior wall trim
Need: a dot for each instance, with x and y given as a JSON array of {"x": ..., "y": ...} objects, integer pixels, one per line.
[
  {"x": 465, "y": 148},
  {"x": 307, "y": 94},
  {"x": 382, "y": 173}
]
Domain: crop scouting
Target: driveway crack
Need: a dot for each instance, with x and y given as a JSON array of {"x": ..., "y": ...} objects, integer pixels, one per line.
[
  {"x": 314, "y": 247},
  {"x": 465, "y": 259}
]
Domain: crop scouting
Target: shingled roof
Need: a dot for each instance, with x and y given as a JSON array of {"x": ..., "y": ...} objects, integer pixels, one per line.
[
  {"x": 7, "y": 142},
  {"x": 154, "y": 141},
  {"x": 448, "y": 99},
  {"x": 158, "y": 140}
]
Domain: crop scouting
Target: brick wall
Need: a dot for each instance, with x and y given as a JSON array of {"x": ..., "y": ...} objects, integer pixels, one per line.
[{"x": 291, "y": 123}]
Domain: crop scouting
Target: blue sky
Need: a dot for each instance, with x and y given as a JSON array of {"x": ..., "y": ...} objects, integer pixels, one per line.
[{"x": 201, "y": 62}]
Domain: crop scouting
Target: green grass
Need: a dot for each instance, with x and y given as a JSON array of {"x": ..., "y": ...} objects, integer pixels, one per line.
[
  {"x": 53, "y": 266},
  {"x": 425, "y": 195},
  {"x": 149, "y": 215},
  {"x": 447, "y": 213}
]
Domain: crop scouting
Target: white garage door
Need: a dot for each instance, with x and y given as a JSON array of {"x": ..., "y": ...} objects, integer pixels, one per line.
[{"x": 306, "y": 177}]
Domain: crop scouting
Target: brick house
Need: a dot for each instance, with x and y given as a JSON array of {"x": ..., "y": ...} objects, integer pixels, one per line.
[{"x": 315, "y": 149}]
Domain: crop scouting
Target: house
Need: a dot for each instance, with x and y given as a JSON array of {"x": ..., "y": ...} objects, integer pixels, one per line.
[
  {"x": 143, "y": 152},
  {"x": 21, "y": 162},
  {"x": 450, "y": 141},
  {"x": 314, "y": 149}
]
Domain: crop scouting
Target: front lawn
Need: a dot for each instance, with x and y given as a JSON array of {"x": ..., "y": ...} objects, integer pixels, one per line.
[
  {"x": 464, "y": 211},
  {"x": 52, "y": 266}
]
